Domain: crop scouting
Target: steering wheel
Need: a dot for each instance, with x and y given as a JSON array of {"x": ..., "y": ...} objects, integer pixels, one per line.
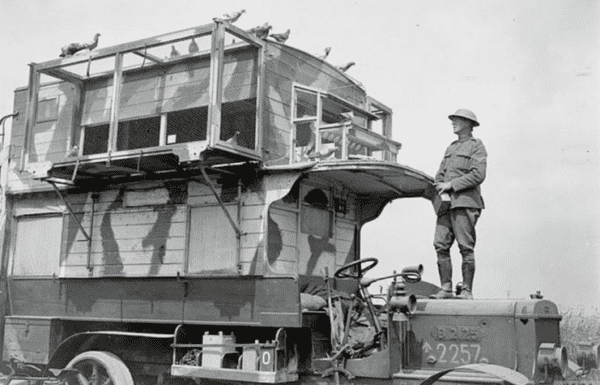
[{"x": 340, "y": 273}]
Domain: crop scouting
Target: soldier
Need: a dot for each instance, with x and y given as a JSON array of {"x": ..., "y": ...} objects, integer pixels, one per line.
[{"x": 461, "y": 172}]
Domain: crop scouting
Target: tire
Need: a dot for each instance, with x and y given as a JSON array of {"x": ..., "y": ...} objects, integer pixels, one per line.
[{"x": 100, "y": 368}]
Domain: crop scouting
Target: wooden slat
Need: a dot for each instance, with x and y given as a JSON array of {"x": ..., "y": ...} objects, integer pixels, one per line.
[
  {"x": 131, "y": 46},
  {"x": 174, "y": 214},
  {"x": 125, "y": 258},
  {"x": 252, "y": 212},
  {"x": 277, "y": 108},
  {"x": 148, "y": 56},
  {"x": 286, "y": 221},
  {"x": 132, "y": 231},
  {"x": 64, "y": 75},
  {"x": 287, "y": 255},
  {"x": 318, "y": 74},
  {"x": 126, "y": 245},
  {"x": 145, "y": 270}
]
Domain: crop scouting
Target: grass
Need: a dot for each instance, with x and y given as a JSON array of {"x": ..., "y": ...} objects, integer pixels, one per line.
[{"x": 580, "y": 325}]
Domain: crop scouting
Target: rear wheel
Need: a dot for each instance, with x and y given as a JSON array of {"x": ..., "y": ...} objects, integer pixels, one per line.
[{"x": 100, "y": 368}]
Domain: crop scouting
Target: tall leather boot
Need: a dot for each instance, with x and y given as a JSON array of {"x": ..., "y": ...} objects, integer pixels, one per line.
[
  {"x": 468, "y": 273},
  {"x": 445, "y": 270}
]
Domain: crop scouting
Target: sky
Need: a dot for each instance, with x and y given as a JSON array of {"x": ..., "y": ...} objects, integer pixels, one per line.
[{"x": 528, "y": 69}]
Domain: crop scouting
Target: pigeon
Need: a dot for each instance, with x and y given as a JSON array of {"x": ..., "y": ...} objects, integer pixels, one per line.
[
  {"x": 323, "y": 57},
  {"x": 230, "y": 17},
  {"x": 234, "y": 139},
  {"x": 174, "y": 52},
  {"x": 324, "y": 154},
  {"x": 345, "y": 68},
  {"x": 281, "y": 37},
  {"x": 347, "y": 116},
  {"x": 71, "y": 49},
  {"x": 537, "y": 295},
  {"x": 193, "y": 47},
  {"x": 261, "y": 32},
  {"x": 73, "y": 152}
]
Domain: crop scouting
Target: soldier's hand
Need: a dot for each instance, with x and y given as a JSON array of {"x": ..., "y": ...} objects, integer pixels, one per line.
[{"x": 442, "y": 187}]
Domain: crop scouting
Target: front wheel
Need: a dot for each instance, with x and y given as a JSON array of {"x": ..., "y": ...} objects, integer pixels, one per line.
[{"x": 100, "y": 368}]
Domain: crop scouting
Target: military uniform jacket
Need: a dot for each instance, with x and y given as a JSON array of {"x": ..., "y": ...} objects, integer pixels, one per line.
[{"x": 464, "y": 167}]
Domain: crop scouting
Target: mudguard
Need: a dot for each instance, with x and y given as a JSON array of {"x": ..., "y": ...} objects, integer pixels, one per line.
[{"x": 501, "y": 372}]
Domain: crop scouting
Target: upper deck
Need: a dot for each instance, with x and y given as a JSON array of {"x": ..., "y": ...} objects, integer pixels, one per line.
[{"x": 208, "y": 95}]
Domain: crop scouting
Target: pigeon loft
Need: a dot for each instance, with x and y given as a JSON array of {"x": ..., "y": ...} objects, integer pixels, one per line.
[{"x": 213, "y": 94}]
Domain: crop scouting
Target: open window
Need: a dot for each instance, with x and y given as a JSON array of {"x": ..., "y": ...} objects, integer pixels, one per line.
[{"x": 327, "y": 126}]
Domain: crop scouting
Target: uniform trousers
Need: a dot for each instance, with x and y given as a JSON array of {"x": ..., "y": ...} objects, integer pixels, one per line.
[{"x": 458, "y": 223}]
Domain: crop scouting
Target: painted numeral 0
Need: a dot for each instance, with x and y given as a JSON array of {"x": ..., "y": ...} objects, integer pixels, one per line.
[{"x": 266, "y": 358}]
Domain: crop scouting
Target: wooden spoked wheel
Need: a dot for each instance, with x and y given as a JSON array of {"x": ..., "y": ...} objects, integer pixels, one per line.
[{"x": 99, "y": 368}]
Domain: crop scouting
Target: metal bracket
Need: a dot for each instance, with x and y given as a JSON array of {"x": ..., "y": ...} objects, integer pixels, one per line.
[
  {"x": 238, "y": 233},
  {"x": 72, "y": 213},
  {"x": 62, "y": 198}
]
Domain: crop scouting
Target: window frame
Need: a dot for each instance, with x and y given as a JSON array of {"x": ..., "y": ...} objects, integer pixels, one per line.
[{"x": 318, "y": 119}]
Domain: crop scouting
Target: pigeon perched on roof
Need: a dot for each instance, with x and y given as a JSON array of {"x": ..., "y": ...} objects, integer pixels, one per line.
[
  {"x": 345, "y": 68},
  {"x": 281, "y": 37},
  {"x": 261, "y": 32},
  {"x": 174, "y": 52},
  {"x": 324, "y": 56},
  {"x": 193, "y": 47},
  {"x": 230, "y": 17},
  {"x": 71, "y": 49}
]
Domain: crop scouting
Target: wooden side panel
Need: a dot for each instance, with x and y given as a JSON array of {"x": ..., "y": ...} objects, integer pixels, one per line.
[
  {"x": 200, "y": 194},
  {"x": 284, "y": 67},
  {"x": 37, "y": 245},
  {"x": 252, "y": 227},
  {"x": 28, "y": 340},
  {"x": 282, "y": 251},
  {"x": 50, "y": 137},
  {"x": 51, "y": 132},
  {"x": 37, "y": 297},
  {"x": 126, "y": 241},
  {"x": 213, "y": 245},
  {"x": 345, "y": 242},
  {"x": 265, "y": 302}
]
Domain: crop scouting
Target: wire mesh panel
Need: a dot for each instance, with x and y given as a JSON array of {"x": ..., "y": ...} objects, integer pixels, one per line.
[
  {"x": 138, "y": 133},
  {"x": 187, "y": 125},
  {"x": 95, "y": 139}
]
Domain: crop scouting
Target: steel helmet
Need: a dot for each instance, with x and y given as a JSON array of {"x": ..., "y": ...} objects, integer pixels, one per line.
[{"x": 467, "y": 114}]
